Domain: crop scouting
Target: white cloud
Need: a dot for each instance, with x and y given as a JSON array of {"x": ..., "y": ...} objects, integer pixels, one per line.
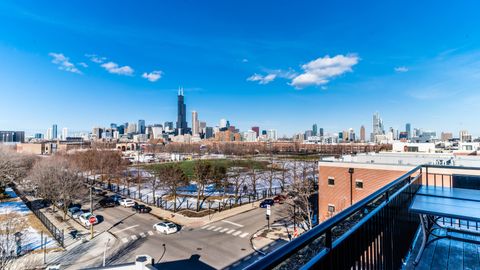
[
  {"x": 245, "y": 60},
  {"x": 262, "y": 79},
  {"x": 83, "y": 64},
  {"x": 64, "y": 63},
  {"x": 321, "y": 70},
  {"x": 96, "y": 59},
  {"x": 153, "y": 76},
  {"x": 113, "y": 67},
  {"x": 401, "y": 69}
]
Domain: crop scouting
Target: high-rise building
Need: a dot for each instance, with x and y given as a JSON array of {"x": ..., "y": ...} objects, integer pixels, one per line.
[
  {"x": 195, "y": 123},
  {"x": 38, "y": 136},
  {"x": 168, "y": 126},
  {"x": 223, "y": 125},
  {"x": 132, "y": 128},
  {"x": 54, "y": 131},
  {"x": 315, "y": 130},
  {"x": 250, "y": 136},
  {"x": 408, "y": 129},
  {"x": 182, "y": 126},
  {"x": 272, "y": 134},
  {"x": 48, "y": 134},
  {"x": 208, "y": 132},
  {"x": 113, "y": 126},
  {"x": 465, "y": 136},
  {"x": 377, "y": 125},
  {"x": 12, "y": 136},
  {"x": 362, "y": 134},
  {"x": 446, "y": 136},
  {"x": 64, "y": 133},
  {"x": 141, "y": 127},
  {"x": 257, "y": 130},
  {"x": 321, "y": 132}
]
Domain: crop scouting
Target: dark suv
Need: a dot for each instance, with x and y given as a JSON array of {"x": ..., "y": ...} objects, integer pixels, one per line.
[
  {"x": 107, "y": 202},
  {"x": 266, "y": 202},
  {"x": 141, "y": 208}
]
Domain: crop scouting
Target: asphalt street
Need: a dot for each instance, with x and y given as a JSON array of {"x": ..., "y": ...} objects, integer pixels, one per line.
[{"x": 221, "y": 245}]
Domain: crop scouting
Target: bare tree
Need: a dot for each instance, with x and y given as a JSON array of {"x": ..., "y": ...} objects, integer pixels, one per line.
[
  {"x": 13, "y": 167},
  {"x": 202, "y": 173},
  {"x": 253, "y": 174},
  {"x": 218, "y": 175},
  {"x": 237, "y": 180},
  {"x": 12, "y": 223},
  {"x": 302, "y": 190},
  {"x": 172, "y": 177}
]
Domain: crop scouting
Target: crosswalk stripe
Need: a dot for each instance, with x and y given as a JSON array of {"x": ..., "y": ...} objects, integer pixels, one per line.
[
  {"x": 236, "y": 233},
  {"x": 206, "y": 226},
  {"x": 217, "y": 229},
  {"x": 125, "y": 240},
  {"x": 142, "y": 234},
  {"x": 134, "y": 237},
  {"x": 229, "y": 232},
  {"x": 224, "y": 230},
  {"x": 211, "y": 228},
  {"x": 150, "y": 232},
  {"x": 243, "y": 235}
]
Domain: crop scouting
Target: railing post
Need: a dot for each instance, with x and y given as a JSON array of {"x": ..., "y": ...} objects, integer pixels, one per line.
[{"x": 328, "y": 238}]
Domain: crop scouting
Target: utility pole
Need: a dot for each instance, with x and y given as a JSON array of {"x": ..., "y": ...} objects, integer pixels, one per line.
[
  {"x": 350, "y": 171},
  {"x": 91, "y": 207}
]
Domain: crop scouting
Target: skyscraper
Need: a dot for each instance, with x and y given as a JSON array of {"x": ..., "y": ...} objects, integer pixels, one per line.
[
  {"x": 141, "y": 127},
  {"x": 362, "y": 133},
  {"x": 195, "y": 123},
  {"x": 315, "y": 130},
  {"x": 64, "y": 133},
  {"x": 257, "y": 130},
  {"x": 181, "y": 115},
  {"x": 408, "y": 129},
  {"x": 321, "y": 132},
  {"x": 54, "y": 131},
  {"x": 377, "y": 125}
]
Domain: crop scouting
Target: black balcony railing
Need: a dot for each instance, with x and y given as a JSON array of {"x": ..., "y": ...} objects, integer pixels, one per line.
[{"x": 375, "y": 233}]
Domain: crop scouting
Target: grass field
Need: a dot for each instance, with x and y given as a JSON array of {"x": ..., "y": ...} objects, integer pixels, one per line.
[{"x": 188, "y": 165}]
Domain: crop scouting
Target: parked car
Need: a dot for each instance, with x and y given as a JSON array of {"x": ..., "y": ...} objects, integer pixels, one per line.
[
  {"x": 116, "y": 198},
  {"x": 75, "y": 212},
  {"x": 141, "y": 208},
  {"x": 98, "y": 191},
  {"x": 127, "y": 202},
  {"x": 266, "y": 202},
  {"x": 166, "y": 227},
  {"x": 279, "y": 199},
  {"x": 85, "y": 219},
  {"x": 107, "y": 202}
]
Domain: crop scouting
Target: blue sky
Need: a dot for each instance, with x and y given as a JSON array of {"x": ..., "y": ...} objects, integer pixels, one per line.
[{"x": 276, "y": 64}]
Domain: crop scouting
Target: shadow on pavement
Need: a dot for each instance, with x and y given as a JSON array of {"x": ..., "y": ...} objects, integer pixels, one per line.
[
  {"x": 192, "y": 263},
  {"x": 254, "y": 256}
]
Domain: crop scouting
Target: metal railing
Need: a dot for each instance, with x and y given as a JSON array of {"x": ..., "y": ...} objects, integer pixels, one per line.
[{"x": 376, "y": 232}]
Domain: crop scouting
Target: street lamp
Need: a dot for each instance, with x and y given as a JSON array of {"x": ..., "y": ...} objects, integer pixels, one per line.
[{"x": 350, "y": 171}]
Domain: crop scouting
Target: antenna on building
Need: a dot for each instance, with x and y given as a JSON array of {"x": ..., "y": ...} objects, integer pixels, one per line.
[{"x": 180, "y": 91}]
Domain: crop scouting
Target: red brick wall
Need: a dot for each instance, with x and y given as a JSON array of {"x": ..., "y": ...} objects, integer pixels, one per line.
[{"x": 339, "y": 194}]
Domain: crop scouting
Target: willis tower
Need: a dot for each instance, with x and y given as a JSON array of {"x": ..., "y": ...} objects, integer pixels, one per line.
[{"x": 182, "y": 127}]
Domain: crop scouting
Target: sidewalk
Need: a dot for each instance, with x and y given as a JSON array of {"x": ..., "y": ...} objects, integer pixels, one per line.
[{"x": 201, "y": 221}]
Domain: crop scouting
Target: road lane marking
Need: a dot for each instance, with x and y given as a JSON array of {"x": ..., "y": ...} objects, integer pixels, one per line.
[
  {"x": 243, "y": 235},
  {"x": 134, "y": 237},
  {"x": 150, "y": 232},
  {"x": 224, "y": 230},
  {"x": 217, "y": 229},
  {"x": 142, "y": 234},
  {"x": 229, "y": 232},
  {"x": 206, "y": 226},
  {"x": 125, "y": 240},
  {"x": 211, "y": 228},
  {"x": 233, "y": 223},
  {"x": 236, "y": 233},
  {"x": 128, "y": 228}
]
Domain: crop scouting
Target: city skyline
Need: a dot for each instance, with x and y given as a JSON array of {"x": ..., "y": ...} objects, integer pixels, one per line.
[{"x": 236, "y": 69}]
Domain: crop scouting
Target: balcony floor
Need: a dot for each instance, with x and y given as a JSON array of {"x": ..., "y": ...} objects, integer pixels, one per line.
[{"x": 446, "y": 254}]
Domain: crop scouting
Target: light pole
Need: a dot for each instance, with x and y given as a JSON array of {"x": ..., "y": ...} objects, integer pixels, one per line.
[{"x": 350, "y": 171}]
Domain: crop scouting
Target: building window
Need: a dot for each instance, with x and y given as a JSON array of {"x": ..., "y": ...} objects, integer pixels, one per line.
[
  {"x": 331, "y": 181},
  {"x": 331, "y": 208},
  {"x": 359, "y": 184}
]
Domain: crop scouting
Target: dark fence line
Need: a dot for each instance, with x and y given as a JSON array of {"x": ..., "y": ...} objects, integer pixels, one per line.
[
  {"x": 191, "y": 205},
  {"x": 56, "y": 232}
]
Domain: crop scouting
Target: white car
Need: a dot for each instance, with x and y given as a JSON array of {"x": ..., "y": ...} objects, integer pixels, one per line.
[
  {"x": 166, "y": 227},
  {"x": 85, "y": 219},
  {"x": 127, "y": 202}
]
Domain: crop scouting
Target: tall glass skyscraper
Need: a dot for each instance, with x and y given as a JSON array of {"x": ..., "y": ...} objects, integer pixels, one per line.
[
  {"x": 54, "y": 132},
  {"x": 182, "y": 114}
]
